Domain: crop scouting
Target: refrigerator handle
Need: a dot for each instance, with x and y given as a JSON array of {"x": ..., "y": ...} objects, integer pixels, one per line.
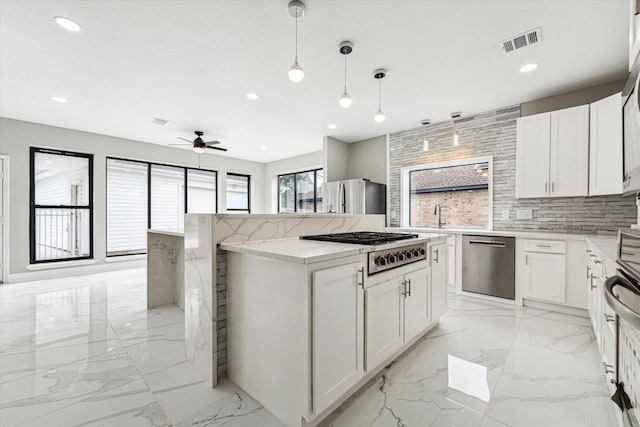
[{"x": 341, "y": 197}]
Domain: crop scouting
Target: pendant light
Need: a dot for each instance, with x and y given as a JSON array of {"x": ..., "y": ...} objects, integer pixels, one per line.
[
  {"x": 379, "y": 74},
  {"x": 296, "y": 11},
  {"x": 345, "y": 101},
  {"x": 455, "y": 115}
]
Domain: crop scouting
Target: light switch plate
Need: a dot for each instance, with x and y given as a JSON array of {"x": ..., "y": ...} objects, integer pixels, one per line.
[
  {"x": 524, "y": 214},
  {"x": 505, "y": 214}
]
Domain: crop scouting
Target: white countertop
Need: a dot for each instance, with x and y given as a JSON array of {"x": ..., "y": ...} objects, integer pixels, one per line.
[
  {"x": 310, "y": 251},
  {"x": 481, "y": 232},
  {"x": 168, "y": 233},
  {"x": 606, "y": 245}
]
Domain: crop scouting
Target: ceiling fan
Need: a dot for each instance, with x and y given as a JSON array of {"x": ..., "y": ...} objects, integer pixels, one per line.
[{"x": 199, "y": 144}]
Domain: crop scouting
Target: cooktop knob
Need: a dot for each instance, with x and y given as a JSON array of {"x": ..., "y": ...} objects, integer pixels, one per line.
[
  {"x": 400, "y": 256},
  {"x": 422, "y": 251},
  {"x": 381, "y": 261},
  {"x": 408, "y": 254},
  {"x": 391, "y": 258},
  {"x": 416, "y": 253}
]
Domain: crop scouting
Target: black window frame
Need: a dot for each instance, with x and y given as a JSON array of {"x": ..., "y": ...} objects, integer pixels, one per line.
[
  {"x": 248, "y": 210},
  {"x": 149, "y": 164},
  {"x": 33, "y": 206},
  {"x": 295, "y": 189}
]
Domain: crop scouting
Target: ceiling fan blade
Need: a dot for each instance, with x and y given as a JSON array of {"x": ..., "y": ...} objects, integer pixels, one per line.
[
  {"x": 181, "y": 144},
  {"x": 217, "y": 148},
  {"x": 212, "y": 142},
  {"x": 189, "y": 141}
]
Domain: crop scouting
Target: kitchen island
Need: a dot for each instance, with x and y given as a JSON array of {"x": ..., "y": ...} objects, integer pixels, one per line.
[{"x": 310, "y": 322}]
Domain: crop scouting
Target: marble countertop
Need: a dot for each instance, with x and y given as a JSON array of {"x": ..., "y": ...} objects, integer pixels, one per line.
[
  {"x": 480, "y": 232},
  {"x": 606, "y": 245},
  {"x": 310, "y": 251},
  {"x": 168, "y": 233}
]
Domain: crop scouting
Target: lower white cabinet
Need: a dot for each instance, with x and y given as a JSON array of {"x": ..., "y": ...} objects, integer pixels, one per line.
[
  {"x": 544, "y": 276},
  {"x": 440, "y": 266},
  {"x": 397, "y": 311},
  {"x": 338, "y": 324},
  {"x": 385, "y": 320}
]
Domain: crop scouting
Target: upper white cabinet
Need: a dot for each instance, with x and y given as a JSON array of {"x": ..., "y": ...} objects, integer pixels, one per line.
[
  {"x": 569, "y": 152},
  {"x": 605, "y": 146},
  {"x": 532, "y": 155}
]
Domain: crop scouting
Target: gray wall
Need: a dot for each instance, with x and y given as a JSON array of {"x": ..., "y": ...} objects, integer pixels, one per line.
[
  {"x": 292, "y": 164},
  {"x": 362, "y": 159},
  {"x": 17, "y": 136},
  {"x": 571, "y": 99},
  {"x": 494, "y": 133}
]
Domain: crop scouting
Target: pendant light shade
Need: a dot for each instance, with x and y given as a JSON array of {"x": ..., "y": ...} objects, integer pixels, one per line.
[
  {"x": 379, "y": 75},
  {"x": 296, "y": 11},
  {"x": 345, "y": 101},
  {"x": 456, "y": 141}
]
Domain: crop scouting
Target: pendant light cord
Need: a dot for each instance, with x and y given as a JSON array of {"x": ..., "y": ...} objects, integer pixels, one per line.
[
  {"x": 345, "y": 73},
  {"x": 379, "y": 94},
  {"x": 296, "y": 34}
]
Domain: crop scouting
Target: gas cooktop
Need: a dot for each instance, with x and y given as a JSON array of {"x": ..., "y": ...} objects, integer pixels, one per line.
[{"x": 361, "y": 237}]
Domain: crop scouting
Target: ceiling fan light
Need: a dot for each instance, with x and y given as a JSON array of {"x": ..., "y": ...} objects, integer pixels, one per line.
[
  {"x": 296, "y": 74},
  {"x": 345, "y": 100},
  {"x": 379, "y": 117},
  {"x": 198, "y": 150}
]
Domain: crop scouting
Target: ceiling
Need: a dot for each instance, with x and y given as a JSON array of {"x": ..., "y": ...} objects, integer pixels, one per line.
[{"x": 192, "y": 62}]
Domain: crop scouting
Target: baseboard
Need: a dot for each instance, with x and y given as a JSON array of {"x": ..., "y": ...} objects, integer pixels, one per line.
[
  {"x": 74, "y": 271},
  {"x": 574, "y": 311}
]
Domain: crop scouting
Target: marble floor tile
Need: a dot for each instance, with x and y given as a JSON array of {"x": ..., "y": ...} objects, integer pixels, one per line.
[{"x": 85, "y": 351}]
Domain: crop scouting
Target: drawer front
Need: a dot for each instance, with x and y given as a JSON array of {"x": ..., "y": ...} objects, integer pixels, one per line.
[{"x": 545, "y": 246}]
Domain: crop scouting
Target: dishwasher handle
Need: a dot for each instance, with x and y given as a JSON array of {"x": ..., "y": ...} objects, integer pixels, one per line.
[{"x": 493, "y": 243}]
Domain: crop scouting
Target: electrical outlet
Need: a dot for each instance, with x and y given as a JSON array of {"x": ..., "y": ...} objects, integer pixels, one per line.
[
  {"x": 505, "y": 214},
  {"x": 524, "y": 214}
]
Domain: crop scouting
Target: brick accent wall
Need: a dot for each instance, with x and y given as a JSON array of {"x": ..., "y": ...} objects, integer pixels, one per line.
[{"x": 494, "y": 133}]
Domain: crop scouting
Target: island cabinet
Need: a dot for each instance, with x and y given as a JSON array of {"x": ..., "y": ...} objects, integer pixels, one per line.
[{"x": 304, "y": 333}]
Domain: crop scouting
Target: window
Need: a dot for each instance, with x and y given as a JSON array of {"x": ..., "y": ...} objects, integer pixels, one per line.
[
  {"x": 238, "y": 192},
  {"x": 127, "y": 198},
  {"x": 167, "y": 198},
  {"x": 461, "y": 189},
  {"x": 61, "y": 200},
  {"x": 143, "y": 195},
  {"x": 301, "y": 191}
]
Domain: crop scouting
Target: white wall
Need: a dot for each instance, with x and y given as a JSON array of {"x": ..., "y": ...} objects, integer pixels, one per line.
[
  {"x": 292, "y": 164},
  {"x": 362, "y": 159},
  {"x": 368, "y": 159},
  {"x": 17, "y": 136}
]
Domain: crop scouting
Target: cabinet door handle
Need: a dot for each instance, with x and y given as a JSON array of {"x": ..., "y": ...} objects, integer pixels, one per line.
[
  {"x": 409, "y": 283},
  {"x": 404, "y": 289},
  {"x": 588, "y": 272},
  {"x": 543, "y": 246},
  {"x": 436, "y": 256},
  {"x": 606, "y": 368},
  {"x": 597, "y": 261},
  {"x": 546, "y": 186},
  {"x": 609, "y": 318},
  {"x": 361, "y": 271},
  {"x": 553, "y": 189},
  {"x": 526, "y": 259}
]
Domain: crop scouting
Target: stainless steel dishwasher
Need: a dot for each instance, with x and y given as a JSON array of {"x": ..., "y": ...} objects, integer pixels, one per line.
[{"x": 488, "y": 265}]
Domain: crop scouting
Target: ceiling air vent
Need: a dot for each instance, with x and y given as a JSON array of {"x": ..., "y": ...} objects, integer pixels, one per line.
[
  {"x": 521, "y": 40},
  {"x": 159, "y": 121}
]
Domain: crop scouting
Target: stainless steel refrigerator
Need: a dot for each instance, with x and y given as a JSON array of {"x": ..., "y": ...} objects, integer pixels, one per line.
[{"x": 355, "y": 196}]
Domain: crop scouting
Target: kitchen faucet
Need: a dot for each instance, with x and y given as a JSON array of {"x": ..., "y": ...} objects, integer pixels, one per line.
[{"x": 438, "y": 211}]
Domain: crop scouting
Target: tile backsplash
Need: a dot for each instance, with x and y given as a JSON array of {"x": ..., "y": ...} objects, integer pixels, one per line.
[{"x": 493, "y": 133}]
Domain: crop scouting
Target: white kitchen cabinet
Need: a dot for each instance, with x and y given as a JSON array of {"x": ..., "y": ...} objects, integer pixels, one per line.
[
  {"x": 569, "y": 152},
  {"x": 605, "y": 146},
  {"x": 532, "y": 155},
  {"x": 416, "y": 303},
  {"x": 338, "y": 323},
  {"x": 552, "y": 154},
  {"x": 544, "y": 277},
  {"x": 384, "y": 320},
  {"x": 439, "y": 268},
  {"x": 451, "y": 261}
]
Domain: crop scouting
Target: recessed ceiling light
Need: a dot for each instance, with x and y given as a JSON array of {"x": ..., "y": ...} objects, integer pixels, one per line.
[
  {"x": 253, "y": 96},
  {"x": 332, "y": 126},
  {"x": 264, "y": 147},
  {"x": 58, "y": 99},
  {"x": 528, "y": 67},
  {"x": 67, "y": 23}
]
